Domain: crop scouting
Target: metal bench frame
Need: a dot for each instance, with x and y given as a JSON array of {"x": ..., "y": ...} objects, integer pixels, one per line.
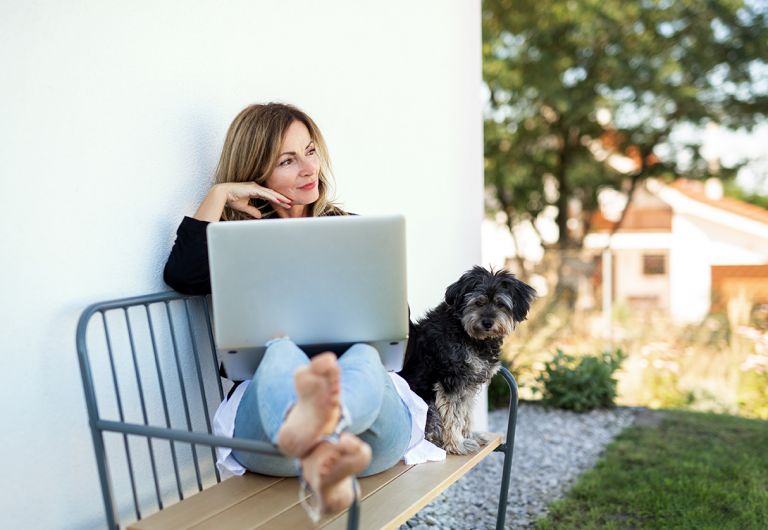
[{"x": 99, "y": 426}]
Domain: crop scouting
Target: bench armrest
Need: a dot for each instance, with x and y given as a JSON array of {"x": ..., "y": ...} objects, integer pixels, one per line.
[
  {"x": 200, "y": 438},
  {"x": 507, "y": 447},
  {"x": 512, "y": 418}
]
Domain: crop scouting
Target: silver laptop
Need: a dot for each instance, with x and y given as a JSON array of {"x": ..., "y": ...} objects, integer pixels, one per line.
[{"x": 326, "y": 282}]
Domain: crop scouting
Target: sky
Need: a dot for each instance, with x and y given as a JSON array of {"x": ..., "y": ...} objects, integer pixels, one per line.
[{"x": 732, "y": 146}]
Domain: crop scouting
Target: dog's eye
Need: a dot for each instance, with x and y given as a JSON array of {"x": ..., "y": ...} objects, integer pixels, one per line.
[{"x": 479, "y": 303}]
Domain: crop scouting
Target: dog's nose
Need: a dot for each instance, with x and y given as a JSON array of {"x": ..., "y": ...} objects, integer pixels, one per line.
[{"x": 487, "y": 323}]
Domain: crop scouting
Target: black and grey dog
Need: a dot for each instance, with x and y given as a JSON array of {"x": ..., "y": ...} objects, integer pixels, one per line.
[{"x": 455, "y": 349}]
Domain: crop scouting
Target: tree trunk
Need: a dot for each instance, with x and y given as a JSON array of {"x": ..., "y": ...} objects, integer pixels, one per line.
[
  {"x": 565, "y": 289},
  {"x": 522, "y": 271}
]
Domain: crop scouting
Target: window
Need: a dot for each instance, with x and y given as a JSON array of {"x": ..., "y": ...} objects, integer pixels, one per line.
[{"x": 654, "y": 264}]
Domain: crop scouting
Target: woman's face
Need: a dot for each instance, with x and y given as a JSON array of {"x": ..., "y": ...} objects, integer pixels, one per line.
[{"x": 298, "y": 167}]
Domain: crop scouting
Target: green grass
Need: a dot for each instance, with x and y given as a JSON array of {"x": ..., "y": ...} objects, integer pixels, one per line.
[{"x": 692, "y": 471}]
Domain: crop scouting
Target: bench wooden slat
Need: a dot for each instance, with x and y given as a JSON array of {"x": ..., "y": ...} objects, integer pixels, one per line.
[
  {"x": 399, "y": 500},
  {"x": 296, "y": 517},
  {"x": 388, "y": 499},
  {"x": 252, "y": 511},
  {"x": 208, "y": 502}
]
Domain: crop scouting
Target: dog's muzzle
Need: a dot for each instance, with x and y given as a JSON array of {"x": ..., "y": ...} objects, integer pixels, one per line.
[{"x": 482, "y": 327}]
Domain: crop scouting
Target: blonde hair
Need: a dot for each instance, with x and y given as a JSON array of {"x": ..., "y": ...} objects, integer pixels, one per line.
[{"x": 252, "y": 148}]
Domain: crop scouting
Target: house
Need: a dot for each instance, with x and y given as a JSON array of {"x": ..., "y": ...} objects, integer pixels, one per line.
[{"x": 684, "y": 248}]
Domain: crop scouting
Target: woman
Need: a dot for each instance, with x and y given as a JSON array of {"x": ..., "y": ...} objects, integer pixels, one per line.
[{"x": 274, "y": 164}]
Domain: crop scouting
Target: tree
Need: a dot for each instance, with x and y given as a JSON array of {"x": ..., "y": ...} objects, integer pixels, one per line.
[{"x": 571, "y": 82}]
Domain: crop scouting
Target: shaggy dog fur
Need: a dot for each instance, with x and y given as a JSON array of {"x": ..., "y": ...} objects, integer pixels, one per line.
[{"x": 455, "y": 349}]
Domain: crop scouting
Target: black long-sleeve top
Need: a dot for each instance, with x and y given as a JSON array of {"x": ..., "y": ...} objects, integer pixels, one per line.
[{"x": 186, "y": 270}]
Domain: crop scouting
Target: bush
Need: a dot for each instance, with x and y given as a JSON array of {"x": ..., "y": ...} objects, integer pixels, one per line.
[{"x": 580, "y": 384}]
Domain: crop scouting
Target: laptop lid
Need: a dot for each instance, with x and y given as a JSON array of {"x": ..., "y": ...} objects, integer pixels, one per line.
[{"x": 326, "y": 282}]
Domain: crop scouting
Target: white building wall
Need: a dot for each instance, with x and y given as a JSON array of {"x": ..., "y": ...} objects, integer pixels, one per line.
[
  {"x": 732, "y": 247},
  {"x": 690, "y": 279},
  {"x": 698, "y": 244},
  {"x": 113, "y": 116},
  {"x": 633, "y": 283}
]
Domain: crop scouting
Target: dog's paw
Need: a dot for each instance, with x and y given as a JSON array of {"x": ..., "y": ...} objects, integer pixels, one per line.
[
  {"x": 481, "y": 437},
  {"x": 470, "y": 446},
  {"x": 464, "y": 446}
]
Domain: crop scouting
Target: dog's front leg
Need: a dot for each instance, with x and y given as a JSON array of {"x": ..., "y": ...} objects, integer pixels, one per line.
[
  {"x": 480, "y": 437},
  {"x": 453, "y": 409},
  {"x": 466, "y": 423},
  {"x": 433, "y": 430}
]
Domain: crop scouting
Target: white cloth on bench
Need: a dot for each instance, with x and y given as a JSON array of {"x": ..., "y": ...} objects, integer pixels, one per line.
[
  {"x": 419, "y": 450},
  {"x": 224, "y": 425}
]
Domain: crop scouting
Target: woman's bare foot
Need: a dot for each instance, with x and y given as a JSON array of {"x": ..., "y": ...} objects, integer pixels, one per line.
[
  {"x": 329, "y": 467},
  {"x": 317, "y": 409}
]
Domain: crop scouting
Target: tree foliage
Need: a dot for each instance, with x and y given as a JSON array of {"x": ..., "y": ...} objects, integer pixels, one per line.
[{"x": 570, "y": 81}]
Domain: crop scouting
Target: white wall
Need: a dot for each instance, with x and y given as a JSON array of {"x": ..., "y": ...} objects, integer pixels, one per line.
[
  {"x": 732, "y": 247},
  {"x": 699, "y": 244},
  {"x": 112, "y": 117},
  {"x": 689, "y": 271},
  {"x": 634, "y": 283}
]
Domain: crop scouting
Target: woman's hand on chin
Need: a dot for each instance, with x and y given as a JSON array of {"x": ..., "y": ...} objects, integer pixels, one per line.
[{"x": 237, "y": 195}]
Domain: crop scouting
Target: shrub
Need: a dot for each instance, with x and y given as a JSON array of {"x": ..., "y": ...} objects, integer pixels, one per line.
[{"x": 580, "y": 384}]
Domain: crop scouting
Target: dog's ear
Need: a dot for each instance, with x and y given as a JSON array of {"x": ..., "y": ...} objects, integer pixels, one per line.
[
  {"x": 456, "y": 292},
  {"x": 522, "y": 295}
]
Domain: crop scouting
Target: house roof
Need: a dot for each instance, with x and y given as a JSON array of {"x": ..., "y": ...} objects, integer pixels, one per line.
[
  {"x": 637, "y": 219},
  {"x": 695, "y": 190},
  {"x": 658, "y": 218}
]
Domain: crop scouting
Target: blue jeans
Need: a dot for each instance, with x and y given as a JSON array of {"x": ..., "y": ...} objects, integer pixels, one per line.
[{"x": 375, "y": 411}]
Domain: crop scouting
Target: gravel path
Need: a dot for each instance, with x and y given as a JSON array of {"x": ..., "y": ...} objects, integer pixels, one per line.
[{"x": 552, "y": 448}]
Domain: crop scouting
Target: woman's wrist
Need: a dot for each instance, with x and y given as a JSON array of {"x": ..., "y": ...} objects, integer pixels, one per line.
[{"x": 213, "y": 205}]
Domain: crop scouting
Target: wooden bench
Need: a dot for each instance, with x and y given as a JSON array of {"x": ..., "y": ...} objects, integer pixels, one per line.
[{"x": 151, "y": 383}]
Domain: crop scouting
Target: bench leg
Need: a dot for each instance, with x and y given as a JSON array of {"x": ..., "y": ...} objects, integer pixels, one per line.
[
  {"x": 353, "y": 515},
  {"x": 507, "y": 448},
  {"x": 110, "y": 510}
]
